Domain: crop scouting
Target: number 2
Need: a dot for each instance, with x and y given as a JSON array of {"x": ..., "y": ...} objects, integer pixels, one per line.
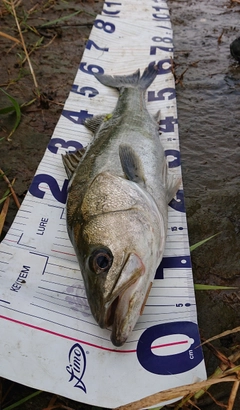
[{"x": 60, "y": 194}]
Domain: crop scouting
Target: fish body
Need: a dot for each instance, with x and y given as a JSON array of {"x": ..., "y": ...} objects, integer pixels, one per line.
[{"x": 117, "y": 204}]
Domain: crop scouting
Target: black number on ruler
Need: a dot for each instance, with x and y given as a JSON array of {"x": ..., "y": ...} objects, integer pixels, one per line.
[
  {"x": 77, "y": 117},
  {"x": 178, "y": 204},
  {"x": 164, "y": 66},
  {"x": 167, "y": 28},
  {"x": 161, "y": 16},
  {"x": 157, "y": 8},
  {"x": 84, "y": 90},
  {"x": 109, "y": 4},
  {"x": 91, "y": 43},
  {"x": 158, "y": 39},
  {"x": 153, "y": 49},
  {"x": 111, "y": 13},
  {"x": 52, "y": 146},
  {"x": 184, "y": 305},
  {"x": 60, "y": 194},
  {"x": 174, "y": 361},
  {"x": 164, "y": 94},
  {"x": 167, "y": 124},
  {"x": 176, "y": 161},
  {"x": 106, "y": 26},
  {"x": 91, "y": 69}
]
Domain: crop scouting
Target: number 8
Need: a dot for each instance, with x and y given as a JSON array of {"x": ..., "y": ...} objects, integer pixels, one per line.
[{"x": 108, "y": 27}]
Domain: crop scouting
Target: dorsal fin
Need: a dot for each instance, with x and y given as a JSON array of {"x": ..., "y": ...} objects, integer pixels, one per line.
[
  {"x": 71, "y": 161},
  {"x": 131, "y": 164}
]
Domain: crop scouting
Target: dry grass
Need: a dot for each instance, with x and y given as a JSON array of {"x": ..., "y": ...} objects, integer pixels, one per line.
[{"x": 227, "y": 372}]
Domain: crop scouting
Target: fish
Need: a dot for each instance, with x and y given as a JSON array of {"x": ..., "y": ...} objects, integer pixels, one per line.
[{"x": 117, "y": 205}]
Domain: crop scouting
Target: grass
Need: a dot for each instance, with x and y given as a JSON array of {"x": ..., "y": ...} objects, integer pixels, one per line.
[
  {"x": 22, "y": 25},
  {"x": 12, "y": 4},
  {"x": 15, "y": 107},
  {"x": 24, "y": 400},
  {"x": 60, "y": 20},
  {"x": 200, "y": 286}
]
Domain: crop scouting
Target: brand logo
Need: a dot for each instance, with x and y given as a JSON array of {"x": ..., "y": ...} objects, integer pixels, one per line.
[{"x": 77, "y": 366}]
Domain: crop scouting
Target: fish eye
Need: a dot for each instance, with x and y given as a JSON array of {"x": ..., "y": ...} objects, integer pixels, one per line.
[{"x": 101, "y": 260}]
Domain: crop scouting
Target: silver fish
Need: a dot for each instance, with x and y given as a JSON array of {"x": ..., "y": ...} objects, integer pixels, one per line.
[{"x": 117, "y": 205}]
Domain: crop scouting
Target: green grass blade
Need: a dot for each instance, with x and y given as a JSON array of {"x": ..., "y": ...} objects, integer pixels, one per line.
[
  {"x": 196, "y": 245},
  {"x": 4, "y": 197},
  {"x": 51, "y": 23},
  {"x": 18, "y": 403},
  {"x": 26, "y": 104},
  {"x": 199, "y": 286},
  {"x": 17, "y": 111},
  {"x": 11, "y": 108},
  {"x": 6, "y": 110}
]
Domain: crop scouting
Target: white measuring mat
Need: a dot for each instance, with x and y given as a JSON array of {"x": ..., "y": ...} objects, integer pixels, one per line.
[{"x": 49, "y": 339}]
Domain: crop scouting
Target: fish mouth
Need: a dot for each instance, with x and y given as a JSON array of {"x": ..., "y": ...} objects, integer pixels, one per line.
[
  {"x": 111, "y": 312},
  {"x": 124, "y": 307}
]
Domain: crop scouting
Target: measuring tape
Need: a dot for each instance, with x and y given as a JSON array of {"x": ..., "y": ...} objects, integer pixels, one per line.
[{"x": 46, "y": 323}]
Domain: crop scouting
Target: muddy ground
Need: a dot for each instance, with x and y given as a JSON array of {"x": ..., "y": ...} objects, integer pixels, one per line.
[{"x": 208, "y": 95}]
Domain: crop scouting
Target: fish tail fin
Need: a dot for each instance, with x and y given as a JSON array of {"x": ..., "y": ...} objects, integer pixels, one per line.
[
  {"x": 130, "y": 81},
  {"x": 148, "y": 76}
]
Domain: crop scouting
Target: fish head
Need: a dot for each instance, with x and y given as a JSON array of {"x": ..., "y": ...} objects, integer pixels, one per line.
[{"x": 119, "y": 245}]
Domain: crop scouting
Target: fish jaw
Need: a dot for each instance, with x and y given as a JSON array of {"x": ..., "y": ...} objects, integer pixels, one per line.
[
  {"x": 118, "y": 310},
  {"x": 129, "y": 307},
  {"x": 127, "y": 300}
]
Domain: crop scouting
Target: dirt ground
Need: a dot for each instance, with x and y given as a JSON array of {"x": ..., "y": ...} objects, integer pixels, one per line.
[{"x": 208, "y": 88}]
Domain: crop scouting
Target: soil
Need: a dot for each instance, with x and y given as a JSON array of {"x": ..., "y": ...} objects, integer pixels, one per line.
[{"x": 208, "y": 91}]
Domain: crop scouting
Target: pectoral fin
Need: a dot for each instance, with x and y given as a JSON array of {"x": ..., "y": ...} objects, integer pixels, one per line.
[
  {"x": 131, "y": 164},
  {"x": 173, "y": 185},
  {"x": 172, "y": 182}
]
